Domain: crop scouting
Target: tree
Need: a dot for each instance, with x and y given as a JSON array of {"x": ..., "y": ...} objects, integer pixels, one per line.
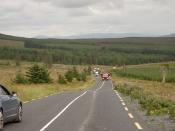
[{"x": 38, "y": 74}]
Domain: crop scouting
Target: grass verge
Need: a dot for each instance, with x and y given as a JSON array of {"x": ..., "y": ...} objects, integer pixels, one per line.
[
  {"x": 153, "y": 105},
  {"x": 33, "y": 91}
]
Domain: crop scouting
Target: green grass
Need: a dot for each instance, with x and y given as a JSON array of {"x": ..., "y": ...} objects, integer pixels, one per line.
[
  {"x": 153, "y": 105},
  {"x": 147, "y": 72}
]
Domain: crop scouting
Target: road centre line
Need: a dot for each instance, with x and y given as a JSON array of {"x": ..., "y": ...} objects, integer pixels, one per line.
[
  {"x": 100, "y": 87},
  {"x": 62, "y": 111}
]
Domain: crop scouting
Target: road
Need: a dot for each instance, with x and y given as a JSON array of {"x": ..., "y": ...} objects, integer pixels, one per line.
[{"x": 97, "y": 109}]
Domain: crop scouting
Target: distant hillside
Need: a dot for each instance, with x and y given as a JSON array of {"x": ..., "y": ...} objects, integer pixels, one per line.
[
  {"x": 170, "y": 35},
  {"x": 106, "y": 51},
  {"x": 10, "y": 37},
  {"x": 105, "y": 35}
]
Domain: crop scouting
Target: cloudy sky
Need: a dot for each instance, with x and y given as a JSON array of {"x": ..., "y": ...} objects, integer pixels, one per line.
[{"x": 33, "y": 18}]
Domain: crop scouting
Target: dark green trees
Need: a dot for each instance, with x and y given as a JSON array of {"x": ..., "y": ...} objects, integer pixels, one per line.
[{"x": 38, "y": 74}]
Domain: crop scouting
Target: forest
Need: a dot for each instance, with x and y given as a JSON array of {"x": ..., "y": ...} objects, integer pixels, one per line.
[{"x": 116, "y": 51}]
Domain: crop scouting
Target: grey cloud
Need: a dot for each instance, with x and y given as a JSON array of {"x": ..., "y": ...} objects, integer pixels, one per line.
[
  {"x": 69, "y": 3},
  {"x": 67, "y": 17}
]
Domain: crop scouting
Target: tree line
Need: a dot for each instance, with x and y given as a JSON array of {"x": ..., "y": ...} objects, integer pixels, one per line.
[{"x": 49, "y": 51}]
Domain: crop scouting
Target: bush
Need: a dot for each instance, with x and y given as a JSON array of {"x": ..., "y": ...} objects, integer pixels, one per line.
[
  {"x": 73, "y": 73},
  {"x": 61, "y": 80},
  {"x": 69, "y": 76},
  {"x": 20, "y": 79},
  {"x": 38, "y": 74},
  {"x": 83, "y": 76}
]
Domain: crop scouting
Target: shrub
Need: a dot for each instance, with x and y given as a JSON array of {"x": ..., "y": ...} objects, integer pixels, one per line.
[
  {"x": 83, "y": 76},
  {"x": 61, "y": 80},
  {"x": 69, "y": 76},
  {"x": 38, "y": 74},
  {"x": 74, "y": 72},
  {"x": 20, "y": 79}
]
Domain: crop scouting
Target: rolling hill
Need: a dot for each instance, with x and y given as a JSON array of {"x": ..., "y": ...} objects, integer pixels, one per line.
[{"x": 106, "y": 51}]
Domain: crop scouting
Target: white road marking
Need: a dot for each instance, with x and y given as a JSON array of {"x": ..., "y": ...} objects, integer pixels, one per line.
[
  {"x": 59, "y": 114},
  {"x": 126, "y": 109},
  {"x": 100, "y": 87},
  {"x": 119, "y": 96},
  {"x": 138, "y": 126},
  {"x": 121, "y": 100},
  {"x": 123, "y": 103},
  {"x": 130, "y": 115}
]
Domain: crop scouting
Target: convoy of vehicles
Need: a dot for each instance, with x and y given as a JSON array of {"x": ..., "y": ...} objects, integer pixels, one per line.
[
  {"x": 10, "y": 107},
  {"x": 104, "y": 76}
]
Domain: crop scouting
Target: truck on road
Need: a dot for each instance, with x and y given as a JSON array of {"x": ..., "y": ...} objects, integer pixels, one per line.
[{"x": 105, "y": 76}]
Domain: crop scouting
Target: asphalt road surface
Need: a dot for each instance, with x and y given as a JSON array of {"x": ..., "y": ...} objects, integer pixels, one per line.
[{"x": 97, "y": 109}]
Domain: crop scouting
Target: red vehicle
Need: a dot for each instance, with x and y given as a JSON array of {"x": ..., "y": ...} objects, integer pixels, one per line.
[{"x": 105, "y": 76}]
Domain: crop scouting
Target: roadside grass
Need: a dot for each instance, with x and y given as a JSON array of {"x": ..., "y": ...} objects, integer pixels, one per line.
[
  {"x": 153, "y": 105},
  {"x": 147, "y": 72},
  {"x": 166, "y": 90},
  {"x": 27, "y": 92}
]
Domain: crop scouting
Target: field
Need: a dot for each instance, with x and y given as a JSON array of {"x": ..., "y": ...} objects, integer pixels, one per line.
[
  {"x": 150, "y": 72},
  {"x": 26, "y": 92}
]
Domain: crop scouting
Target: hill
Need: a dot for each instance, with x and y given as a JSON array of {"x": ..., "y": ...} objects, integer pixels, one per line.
[
  {"x": 10, "y": 37},
  {"x": 108, "y": 51}
]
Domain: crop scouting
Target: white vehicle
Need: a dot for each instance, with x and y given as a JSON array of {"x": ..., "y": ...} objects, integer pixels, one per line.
[{"x": 96, "y": 73}]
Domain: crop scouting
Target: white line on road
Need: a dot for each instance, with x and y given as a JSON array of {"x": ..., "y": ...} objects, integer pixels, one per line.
[
  {"x": 123, "y": 103},
  {"x": 138, "y": 126},
  {"x": 59, "y": 114},
  {"x": 121, "y": 100},
  {"x": 100, "y": 87},
  {"x": 126, "y": 109},
  {"x": 130, "y": 115}
]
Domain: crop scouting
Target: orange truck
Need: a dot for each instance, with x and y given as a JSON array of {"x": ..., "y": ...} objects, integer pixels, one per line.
[{"x": 105, "y": 76}]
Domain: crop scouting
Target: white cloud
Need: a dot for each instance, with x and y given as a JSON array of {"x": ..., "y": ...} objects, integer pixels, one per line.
[{"x": 66, "y": 17}]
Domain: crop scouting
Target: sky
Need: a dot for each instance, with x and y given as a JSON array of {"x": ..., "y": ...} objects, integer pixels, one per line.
[{"x": 54, "y": 18}]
